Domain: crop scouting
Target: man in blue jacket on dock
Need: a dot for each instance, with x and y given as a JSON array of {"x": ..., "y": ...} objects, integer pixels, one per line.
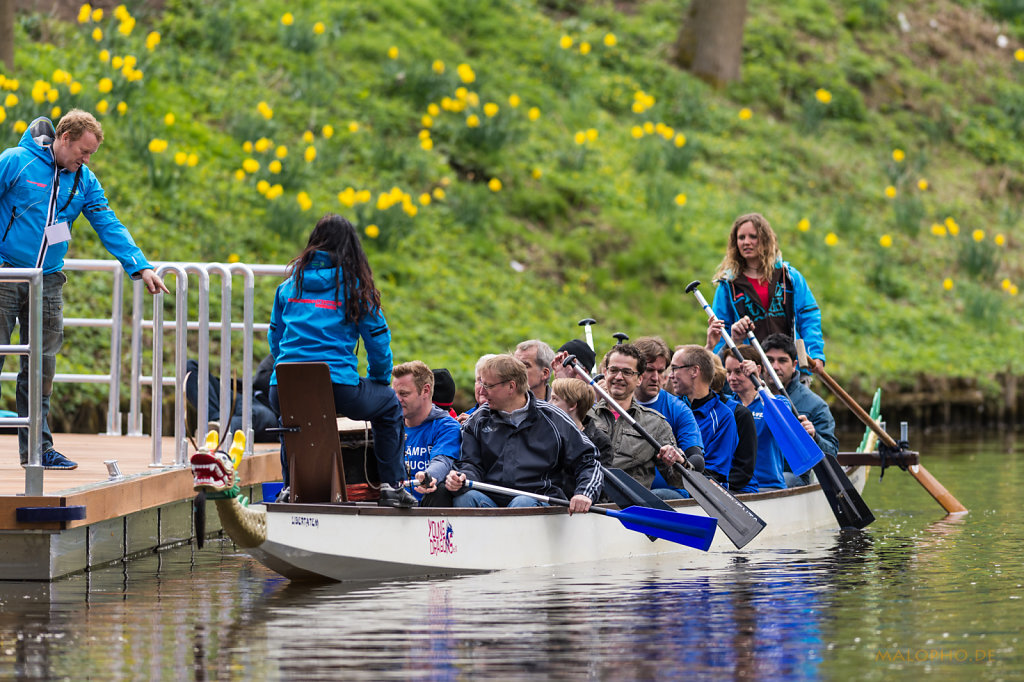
[{"x": 45, "y": 184}]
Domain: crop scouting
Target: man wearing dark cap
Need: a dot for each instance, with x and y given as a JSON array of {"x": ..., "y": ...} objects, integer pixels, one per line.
[
  {"x": 444, "y": 390},
  {"x": 583, "y": 353}
]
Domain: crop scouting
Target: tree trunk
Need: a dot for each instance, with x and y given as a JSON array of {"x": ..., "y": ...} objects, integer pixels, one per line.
[
  {"x": 7, "y": 34},
  {"x": 710, "y": 42}
]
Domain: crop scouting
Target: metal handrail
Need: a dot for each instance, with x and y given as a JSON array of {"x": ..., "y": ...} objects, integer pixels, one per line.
[
  {"x": 34, "y": 350},
  {"x": 224, "y": 327}
]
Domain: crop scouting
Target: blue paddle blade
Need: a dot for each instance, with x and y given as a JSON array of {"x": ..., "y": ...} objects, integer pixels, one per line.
[
  {"x": 800, "y": 450},
  {"x": 685, "y": 529}
]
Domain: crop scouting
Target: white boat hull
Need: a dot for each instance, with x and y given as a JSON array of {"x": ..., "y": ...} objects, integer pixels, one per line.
[{"x": 336, "y": 542}]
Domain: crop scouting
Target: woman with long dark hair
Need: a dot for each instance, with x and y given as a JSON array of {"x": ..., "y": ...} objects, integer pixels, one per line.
[
  {"x": 328, "y": 303},
  {"x": 760, "y": 292}
]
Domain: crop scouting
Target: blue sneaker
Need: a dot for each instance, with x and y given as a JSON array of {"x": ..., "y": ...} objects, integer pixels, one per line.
[{"x": 54, "y": 460}]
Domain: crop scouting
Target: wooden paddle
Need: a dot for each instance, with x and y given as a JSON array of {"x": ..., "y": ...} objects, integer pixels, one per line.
[
  {"x": 737, "y": 520},
  {"x": 930, "y": 483},
  {"x": 799, "y": 448},
  {"x": 685, "y": 529}
]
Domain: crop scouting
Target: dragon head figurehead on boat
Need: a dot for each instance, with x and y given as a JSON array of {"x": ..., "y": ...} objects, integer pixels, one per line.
[{"x": 215, "y": 477}]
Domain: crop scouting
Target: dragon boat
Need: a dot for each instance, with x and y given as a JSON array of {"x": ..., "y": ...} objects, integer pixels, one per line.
[{"x": 330, "y": 530}]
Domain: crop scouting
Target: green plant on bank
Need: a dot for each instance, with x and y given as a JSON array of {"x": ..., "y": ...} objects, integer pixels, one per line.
[
  {"x": 977, "y": 256},
  {"x": 525, "y": 227}
]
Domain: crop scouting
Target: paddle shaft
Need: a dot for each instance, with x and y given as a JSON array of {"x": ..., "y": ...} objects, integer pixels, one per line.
[
  {"x": 586, "y": 324},
  {"x": 684, "y": 529},
  {"x": 511, "y": 492},
  {"x": 769, "y": 368},
  {"x": 929, "y": 482}
]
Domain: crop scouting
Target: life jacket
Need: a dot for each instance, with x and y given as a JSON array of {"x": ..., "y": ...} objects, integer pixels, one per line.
[{"x": 779, "y": 317}]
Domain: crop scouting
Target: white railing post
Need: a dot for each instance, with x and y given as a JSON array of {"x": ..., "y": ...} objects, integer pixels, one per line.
[
  {"x": 114, "y": 393},
  {"x": 226, "y": 386},
  {"x": 135, "y": 377},
  {"x": 34, "y": 470},
  {"x": 248, "y": 298},
  {"x": 32, "y": 346},
  {"x": 203, "y": 384},
  {"x": 181, "y": 349}
]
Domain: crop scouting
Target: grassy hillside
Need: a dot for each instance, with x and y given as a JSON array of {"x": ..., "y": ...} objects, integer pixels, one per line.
[{"x": 517, "y": 165}]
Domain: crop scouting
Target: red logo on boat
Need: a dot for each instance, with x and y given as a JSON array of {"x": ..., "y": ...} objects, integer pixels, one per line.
[{"x": 441, "y": 536}]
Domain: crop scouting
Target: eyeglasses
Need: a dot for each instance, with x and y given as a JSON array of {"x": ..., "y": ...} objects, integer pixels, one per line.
[
  {"x": 624, "y": 371},
  {"x": 488, "y": 387},
  {"x": 678, "y": 367}
]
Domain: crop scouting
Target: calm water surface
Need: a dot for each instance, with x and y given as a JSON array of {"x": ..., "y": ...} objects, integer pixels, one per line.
[{"x": 914, "y": 594}]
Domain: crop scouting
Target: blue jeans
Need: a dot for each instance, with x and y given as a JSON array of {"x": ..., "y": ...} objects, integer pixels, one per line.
[
  {"x": 377, "y": 404},
  {"x": 475, "y": 498},
  {"x": 14, "y": 309}
]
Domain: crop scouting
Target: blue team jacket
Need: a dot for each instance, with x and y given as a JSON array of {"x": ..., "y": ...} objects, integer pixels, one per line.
[
  {"x": 806, "y": 314},
  {"x": 26, "y": 180},
  {"x": 312, "y": 327}
]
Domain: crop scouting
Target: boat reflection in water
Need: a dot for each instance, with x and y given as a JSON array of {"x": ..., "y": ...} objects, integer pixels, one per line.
[{"x": 642, "y": 618}]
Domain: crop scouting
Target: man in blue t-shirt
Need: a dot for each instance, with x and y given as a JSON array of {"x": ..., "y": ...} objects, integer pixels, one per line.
[{"x": 433, "y": 438}]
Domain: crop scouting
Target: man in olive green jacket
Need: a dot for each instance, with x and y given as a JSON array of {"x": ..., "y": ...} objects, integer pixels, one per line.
[{"x": 633, "y": 454}]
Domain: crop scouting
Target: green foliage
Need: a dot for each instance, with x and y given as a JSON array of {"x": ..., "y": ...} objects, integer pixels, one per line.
[{"x": 977, "y": 257}]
